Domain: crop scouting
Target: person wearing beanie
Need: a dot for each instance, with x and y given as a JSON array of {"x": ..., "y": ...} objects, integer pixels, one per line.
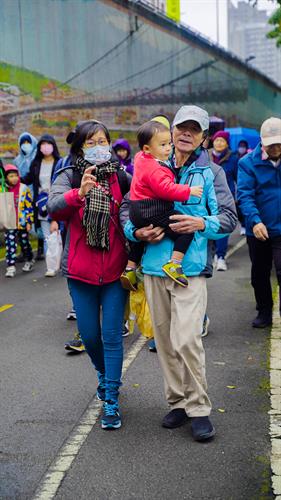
[
  {"x": 259, "y": 198},
  {"x": 24, "y": 220},
  {"x": 222, "y": 155}
]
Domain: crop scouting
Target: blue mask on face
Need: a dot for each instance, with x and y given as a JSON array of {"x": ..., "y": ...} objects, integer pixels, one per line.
[
  {"x": 26, "y": 148},
  {"x": 97, "y": 154}
]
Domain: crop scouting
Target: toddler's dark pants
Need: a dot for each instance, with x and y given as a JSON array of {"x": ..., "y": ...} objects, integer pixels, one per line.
[{"x": 143, "y": 215}]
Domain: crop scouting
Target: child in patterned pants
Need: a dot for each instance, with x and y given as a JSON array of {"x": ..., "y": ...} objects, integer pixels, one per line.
[
  {"x": 12, "y": 237},
  {"x": 24, "y": 214}
]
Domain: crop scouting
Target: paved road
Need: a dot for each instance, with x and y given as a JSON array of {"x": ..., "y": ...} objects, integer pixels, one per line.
[{"x": 44, "y": 392}]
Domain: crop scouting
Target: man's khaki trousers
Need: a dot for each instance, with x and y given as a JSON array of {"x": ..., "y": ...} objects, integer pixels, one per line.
[{"x": 177, "y": 316}]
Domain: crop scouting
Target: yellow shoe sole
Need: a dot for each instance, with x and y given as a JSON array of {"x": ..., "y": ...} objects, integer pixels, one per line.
[{"x": 173, "y": 278}]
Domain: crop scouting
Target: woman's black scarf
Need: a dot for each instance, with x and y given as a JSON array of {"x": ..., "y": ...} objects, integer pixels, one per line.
[{"x": 96, "y": 215}]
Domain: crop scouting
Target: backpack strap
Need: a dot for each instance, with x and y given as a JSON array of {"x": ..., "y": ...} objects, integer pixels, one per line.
[{"x": 124, "y": 180}]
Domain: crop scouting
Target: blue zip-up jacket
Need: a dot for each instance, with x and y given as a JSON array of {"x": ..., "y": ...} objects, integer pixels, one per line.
[
  {"x": 216, "y": 206},
  {"x": 259, "y": 192}
]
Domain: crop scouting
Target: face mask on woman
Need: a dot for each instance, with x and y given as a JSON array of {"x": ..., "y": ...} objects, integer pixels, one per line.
[
  {"x": 97, "y": 154},
  {"x": 242, "y": 150},
  {"x": 26, "y": 148},
  {"x": 46, "y": 149}
]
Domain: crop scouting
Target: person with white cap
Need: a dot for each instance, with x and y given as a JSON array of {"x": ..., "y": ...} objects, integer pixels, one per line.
[
  {"x": 177, "y": 313},
  {"x": 259, "y": 198}
]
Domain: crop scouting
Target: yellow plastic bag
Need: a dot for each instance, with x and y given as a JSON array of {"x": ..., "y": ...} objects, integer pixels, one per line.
[{"x": 139, "y": 313}]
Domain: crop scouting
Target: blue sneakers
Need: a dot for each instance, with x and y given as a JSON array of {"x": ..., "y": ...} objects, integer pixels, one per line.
[
  {"x": 202, "y": 428},
  {"x": 111, "y": 417}
]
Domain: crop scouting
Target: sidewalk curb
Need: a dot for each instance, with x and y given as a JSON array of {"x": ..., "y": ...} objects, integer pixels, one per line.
[{"x": 275, "y": 399}]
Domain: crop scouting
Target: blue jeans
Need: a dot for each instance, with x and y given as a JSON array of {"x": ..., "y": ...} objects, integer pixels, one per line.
[
  {"x": 221, "y": 247},
  {"x": 45, "y": 227},
  {"x": 100, "y": 315}
]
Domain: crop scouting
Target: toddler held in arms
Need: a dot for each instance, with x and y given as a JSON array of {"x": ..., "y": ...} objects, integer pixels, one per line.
[{"x": 152, "y": 195}]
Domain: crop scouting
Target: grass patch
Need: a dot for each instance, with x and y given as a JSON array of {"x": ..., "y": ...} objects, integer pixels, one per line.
[{"x": 29, "y": 82}]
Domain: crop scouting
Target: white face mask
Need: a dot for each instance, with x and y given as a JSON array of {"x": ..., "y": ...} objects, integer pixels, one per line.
[
  {"x": 242, "y": 150},
  {"x": 97, "y": 154},
  {"x": 26, "y": 148}
]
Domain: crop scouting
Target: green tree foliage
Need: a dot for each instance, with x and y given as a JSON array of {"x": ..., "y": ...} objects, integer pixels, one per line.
[{"x": 274, "y": 20}]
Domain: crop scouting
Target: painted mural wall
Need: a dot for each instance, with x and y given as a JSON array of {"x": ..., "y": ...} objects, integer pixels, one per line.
[{"x": 66, "y": 60}]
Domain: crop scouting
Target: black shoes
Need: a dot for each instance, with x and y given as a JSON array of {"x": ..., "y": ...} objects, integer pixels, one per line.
[
  {"x": 175, "y": 418},
  {"x": 262, "y": 320},
  {"x": 202, "y": 428}
]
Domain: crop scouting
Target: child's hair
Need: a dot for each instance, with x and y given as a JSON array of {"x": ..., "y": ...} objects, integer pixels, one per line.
[{"x": 147, "y": 131}]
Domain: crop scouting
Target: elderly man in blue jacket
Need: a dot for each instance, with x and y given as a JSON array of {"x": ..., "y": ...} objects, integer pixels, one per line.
[
  {"x": 259, "y": 198},
  {"x": 177, "y": 313}
]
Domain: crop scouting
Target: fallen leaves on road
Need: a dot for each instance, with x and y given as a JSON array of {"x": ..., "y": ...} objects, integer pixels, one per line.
[
  {"x": 221, "y": 410},
  {"x": 231, "y": 386},
  {"x": 219, "y": 363},
  {"x": 136, "y": 385}
]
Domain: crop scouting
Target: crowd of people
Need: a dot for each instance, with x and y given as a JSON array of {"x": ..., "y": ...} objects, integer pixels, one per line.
[{"x": 175, "y": 207}]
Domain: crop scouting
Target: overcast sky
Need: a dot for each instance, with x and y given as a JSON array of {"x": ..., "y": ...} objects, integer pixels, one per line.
[{"x": 201, "y": 16}]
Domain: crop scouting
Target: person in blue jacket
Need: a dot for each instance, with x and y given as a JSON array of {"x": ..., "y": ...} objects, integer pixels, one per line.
[
  {"x": 222, "y": 155},
  {"x": 177, "y": 313},
  {"x": 259, "y": 198},
  {"x": 27, "y": 151}
]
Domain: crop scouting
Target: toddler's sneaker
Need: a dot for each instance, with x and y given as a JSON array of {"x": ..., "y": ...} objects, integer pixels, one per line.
[
  {"x": 111, "y": 417},
  {"x": 175, "y": 272},
  {"x": 10, "y": 272},
  {"x": 129, "y": 279},
  {"x": 28, "y": 266}
]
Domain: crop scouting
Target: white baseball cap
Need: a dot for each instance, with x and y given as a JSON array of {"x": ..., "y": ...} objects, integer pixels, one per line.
[
  {"x": 193, "y": 113},
  {"x": 271, "y": 131}
]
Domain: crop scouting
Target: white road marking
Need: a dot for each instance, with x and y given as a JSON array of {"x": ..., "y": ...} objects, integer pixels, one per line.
[
  {"x": 54, "y": 476},
  {"x": 236, "y": 247},
  {"x": 5, "y": 307}
]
